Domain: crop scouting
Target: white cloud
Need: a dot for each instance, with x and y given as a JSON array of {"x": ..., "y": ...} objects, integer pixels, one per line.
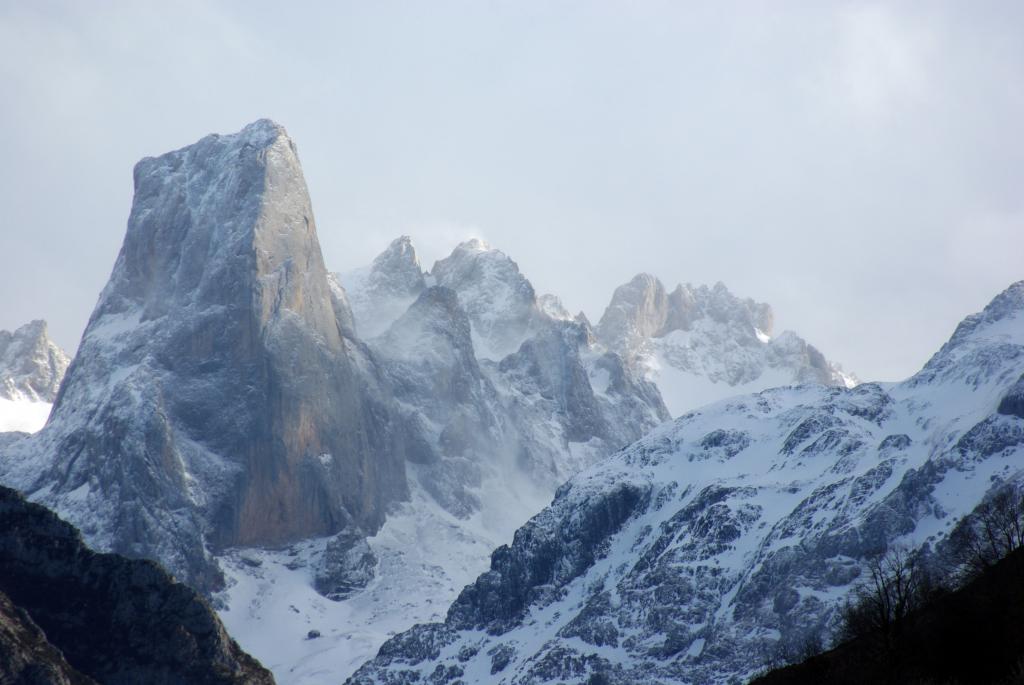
[{"x": 881, "y": 62}]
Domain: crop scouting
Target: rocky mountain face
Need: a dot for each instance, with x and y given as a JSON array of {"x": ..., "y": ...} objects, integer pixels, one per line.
[
  {"x": 216, "y": 399},
  {"x": 736, "y": 530},
  {"x": 278, "y": 434},
  {"x": 701, "y": 344},
  {"x": 235, "y": 409},
  {"x": 26, "y": 656},
  {"x": 31, "y": 369},
  {"x": 500, "y": 397},
  {"x": 481, "y": 364},
  {"x": 70, "y": 615}
]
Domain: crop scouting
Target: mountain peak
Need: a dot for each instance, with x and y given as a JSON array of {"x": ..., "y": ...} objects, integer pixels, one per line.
[
  {"x": 260, "y": 134},
  {"x": 701, "y": 343},
  {"x": 264, "y": 127},
  {"x": 639, "y": 309},
  {"x": 475, "y": 245},
  {"x": 31, "y": 365},
  {"x": 996, "y": 326},
  {"x": 1006, "y": 305},
  {"x": 397, "y": 270},
  {"x": 500, "y": 301},
  {"x": 400, "y": 245},
  {"x": 381, "y": 292},
  {"x": 213, "y": 371}
]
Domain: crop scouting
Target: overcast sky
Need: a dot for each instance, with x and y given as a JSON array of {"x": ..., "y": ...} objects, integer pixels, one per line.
[{"x": 858, "y": 166}]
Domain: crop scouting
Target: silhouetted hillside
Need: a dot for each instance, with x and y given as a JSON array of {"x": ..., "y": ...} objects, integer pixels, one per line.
[{"x": 972, "y": 635}]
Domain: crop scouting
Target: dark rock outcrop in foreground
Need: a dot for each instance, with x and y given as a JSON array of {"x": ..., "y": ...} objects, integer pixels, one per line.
[
  {"x": 26, "y": 656},
  {"x": 71, "y": 615}
]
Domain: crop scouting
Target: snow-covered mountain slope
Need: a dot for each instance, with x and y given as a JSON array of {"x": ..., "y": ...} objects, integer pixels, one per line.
[
  {"x": 424, "y": 556},
  {"x": 701, "y": 344},
  {"x": 735, "y": 529},
  {"x": 487, "y": 443},
  {"x": 216, "y": 399},
  {"x": 31, "y": 369}
]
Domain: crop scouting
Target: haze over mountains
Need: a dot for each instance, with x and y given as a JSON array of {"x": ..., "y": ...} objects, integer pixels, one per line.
[{"x": 334, "y": 457}]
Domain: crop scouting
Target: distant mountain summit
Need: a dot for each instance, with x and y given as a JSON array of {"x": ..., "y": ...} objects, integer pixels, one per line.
[
  {"x": 31, "y": 365},
  {"x": 701, "y": 344},
  {"x": 31, "y": 370},
  {"x": 381, "y": 292},
  {"x": 499, "y": 300}
]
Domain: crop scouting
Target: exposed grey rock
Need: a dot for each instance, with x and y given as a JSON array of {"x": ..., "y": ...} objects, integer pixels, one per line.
[
  {"x": 1013, "y": 401},
  {"x": 542, "y": 558},
  {"x": 397, "y": 271},
  {"x": 560, "y": 373},
  {"x": 216, "y": 399},
  {"x": 342, "y": 307},
  {"x": 453, "y": 424},
  {"x": 346, "y": 566},
  {"x": 31, "y": 365},
  {"x": 115, "y": 620},
  {"x": 739, "y": 528},
  {"x": 639, "y": 309}
]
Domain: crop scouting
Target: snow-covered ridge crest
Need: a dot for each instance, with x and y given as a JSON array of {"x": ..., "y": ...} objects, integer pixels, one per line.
[{"x": 737, "y": 529}]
